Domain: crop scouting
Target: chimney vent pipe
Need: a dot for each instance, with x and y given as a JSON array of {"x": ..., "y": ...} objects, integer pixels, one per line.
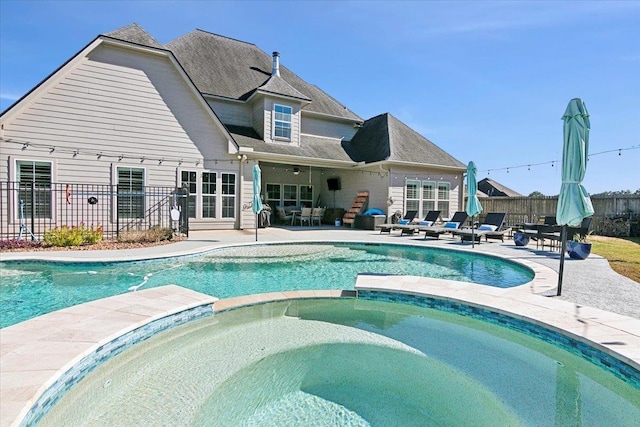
[{"x": 276, "y": 64}]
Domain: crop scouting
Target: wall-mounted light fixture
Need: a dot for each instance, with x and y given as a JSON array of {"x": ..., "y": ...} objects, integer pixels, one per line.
[
  {"x": 296, "y": 170},
  {"x": 242, "y": 157}
]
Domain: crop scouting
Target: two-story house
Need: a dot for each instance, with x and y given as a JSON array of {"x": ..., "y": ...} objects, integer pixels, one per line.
[{"x": 198, "y": 113}]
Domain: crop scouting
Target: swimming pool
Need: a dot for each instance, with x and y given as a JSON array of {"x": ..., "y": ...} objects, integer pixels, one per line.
[
  {"x": 29, "y": 289},
  {"x": 346, "y": 362}
]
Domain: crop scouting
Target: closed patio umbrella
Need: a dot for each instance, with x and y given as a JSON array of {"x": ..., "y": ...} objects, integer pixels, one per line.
[
  {"x": 473, "y": 204},
  {"x": 257, "y": 202},
  {"x": 574, "y": 203}
]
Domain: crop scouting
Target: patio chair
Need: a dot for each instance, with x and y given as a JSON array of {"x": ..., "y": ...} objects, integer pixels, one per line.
[
  {"x": 283, "y": 216},
  {"x": 409, "y": 229},
  {"x": 408, "y": 217},
  {"x": 554, "y": 233},
  {"x": 491, "y": 228},
  {"x": 316, "y": 215},
  {"x": 457, "y": 220},
  {"x": 538, "y": 232},
  {"x": 305, "y": 216}
]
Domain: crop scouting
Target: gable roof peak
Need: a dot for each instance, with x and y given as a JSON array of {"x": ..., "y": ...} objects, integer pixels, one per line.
[{"x": 134, "y": 33}]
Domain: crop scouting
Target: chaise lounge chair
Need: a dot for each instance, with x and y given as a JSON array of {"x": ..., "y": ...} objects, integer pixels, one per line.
[
  {"x": 409, "y": 229},
  {"x": 455, "y": 223},
  {"x": 491, "y": 228},
  {"x": 408, "y": 217}
]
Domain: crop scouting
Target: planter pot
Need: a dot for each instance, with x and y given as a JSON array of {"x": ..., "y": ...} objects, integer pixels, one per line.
[
  {"x": 521, "y": 239},
  {"x": 578, "y": 250}
]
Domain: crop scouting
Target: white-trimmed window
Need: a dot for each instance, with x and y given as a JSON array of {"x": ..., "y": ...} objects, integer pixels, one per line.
[
  {"x": 289, "y": 195},
  {"x": 228, "y": 195},
  {"x": 428, "y": 197},
  {"x": 444, "y": 190},
  {"x": 34, "y": 189},
  {"x": 282, "y": 121},
  {"x": 412, "y": 196},
  {"x": 189, "y": 180},
  {"x": 130, "y": 192},
  {"x": 306, "y": 196},
  {"x": 209, "y": 194},
  {"x": 425, "y": 196},
  {"x": 273, "y": 195}
]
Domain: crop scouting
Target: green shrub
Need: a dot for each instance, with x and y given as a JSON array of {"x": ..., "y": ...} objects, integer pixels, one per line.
[{"x": 72, "y": 236}]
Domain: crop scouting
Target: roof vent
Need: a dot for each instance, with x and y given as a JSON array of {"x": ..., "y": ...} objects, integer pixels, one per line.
[{"x": 276, "y": 64}]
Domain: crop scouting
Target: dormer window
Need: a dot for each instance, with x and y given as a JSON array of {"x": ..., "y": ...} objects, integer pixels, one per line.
[{"x": 282, "y": 122}]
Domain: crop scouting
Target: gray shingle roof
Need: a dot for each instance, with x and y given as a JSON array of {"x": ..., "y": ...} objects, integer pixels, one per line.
[
  {"x": 278, "y": 86},
  {"x": 135, "y": 34},
  {"x": 234, "y": 69},
  {"x": 386, "y": 138},
  {"x": 495, "y": 189},
  {"x": 310, "y": 147}
]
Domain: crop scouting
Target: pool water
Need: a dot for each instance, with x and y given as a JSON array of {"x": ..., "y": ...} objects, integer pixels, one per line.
[
  {"x": 29, "y": 289},
  {"x": 346, "y": 362}
]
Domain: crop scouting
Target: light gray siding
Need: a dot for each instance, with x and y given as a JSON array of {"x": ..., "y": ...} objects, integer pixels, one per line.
[
  {"x": 258, "y": 119},
  {"x": 268, "y": 120},
  {"x": 116, "y": 103},
  {"x": 232, "y": 113},
  {"x": 312, "y": 125}
]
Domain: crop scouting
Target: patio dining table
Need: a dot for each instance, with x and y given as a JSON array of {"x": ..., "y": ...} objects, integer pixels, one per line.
[{"x": 294, "y": 212}]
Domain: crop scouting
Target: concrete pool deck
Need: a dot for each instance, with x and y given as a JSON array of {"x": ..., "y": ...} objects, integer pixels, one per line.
[{"x": 597, "y": 304}]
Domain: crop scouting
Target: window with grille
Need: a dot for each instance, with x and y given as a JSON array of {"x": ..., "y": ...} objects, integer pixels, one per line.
[
  {"x": 131, "y": 193},
  {"x": 274, "y": 195},
  {"x": 228, "y": 195},
  {"x": 282, "y": 121},
  {"x": 188, "y": 179},
  {"x": 444, "y": 189},
  {"x": 412, "y": 196},
  {"x": 208, "y": 194},
  {"x": 34, "y": 189},
  {"x": 428, "y": 197},
  {"x": 289, "y": 195},
  {"x": 306, "y": 196}
]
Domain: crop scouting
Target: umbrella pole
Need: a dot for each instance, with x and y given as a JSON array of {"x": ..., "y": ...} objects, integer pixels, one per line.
[
  {"x": 256, "y": 227},
  {"x": 563, "y": 249},
  {"x": 473, "y": 237}
]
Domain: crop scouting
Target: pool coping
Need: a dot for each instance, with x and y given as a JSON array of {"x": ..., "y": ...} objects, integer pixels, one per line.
[{"x": 36, "y": 353}]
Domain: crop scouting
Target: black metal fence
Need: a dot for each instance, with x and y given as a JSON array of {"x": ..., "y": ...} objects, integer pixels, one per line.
[{"x": 28, "y": 211}]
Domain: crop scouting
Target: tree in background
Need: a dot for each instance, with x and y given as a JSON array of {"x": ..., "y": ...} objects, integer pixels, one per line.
[{"x": 536, "y": 194}]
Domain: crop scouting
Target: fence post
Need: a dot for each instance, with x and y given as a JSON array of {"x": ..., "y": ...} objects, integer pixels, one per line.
[
  {"x": 184, "y": 218},
  {"x": 115, "y": 205},
  {"x": 33, "y": 209}
]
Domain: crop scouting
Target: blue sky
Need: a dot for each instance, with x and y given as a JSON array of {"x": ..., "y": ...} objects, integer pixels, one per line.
[{"x": 485, "y": 81}]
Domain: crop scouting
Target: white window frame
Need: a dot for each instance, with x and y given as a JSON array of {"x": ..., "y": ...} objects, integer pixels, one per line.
[
  {"x": 224, "y": 197},
  {"x": 444, "y": 203},
  {"x": 16, "y": 198},
  {"x": 193, "y": 200},
  {"x": 415, "y": 197},
  {"x": 116, "y": 179},
  {"x": 209, "y": 195},
  {"x": 282, "y": 121}
]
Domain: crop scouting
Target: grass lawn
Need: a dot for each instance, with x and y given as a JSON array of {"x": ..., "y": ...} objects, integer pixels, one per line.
[{"x": 623, "y": 254}]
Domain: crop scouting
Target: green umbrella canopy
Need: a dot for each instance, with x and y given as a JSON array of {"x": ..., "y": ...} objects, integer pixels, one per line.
[
  {"x": 473, "y": 204},
  {"x": 257, "y": 202},
  {"x": 574, "y": 203}
]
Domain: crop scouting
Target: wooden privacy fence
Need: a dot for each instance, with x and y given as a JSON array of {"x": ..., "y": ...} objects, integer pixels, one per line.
[{"x": 614, "y": 215}]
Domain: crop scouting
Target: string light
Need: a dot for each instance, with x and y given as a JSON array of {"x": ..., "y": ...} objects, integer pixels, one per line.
[{"x": 553, "y": 162}]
